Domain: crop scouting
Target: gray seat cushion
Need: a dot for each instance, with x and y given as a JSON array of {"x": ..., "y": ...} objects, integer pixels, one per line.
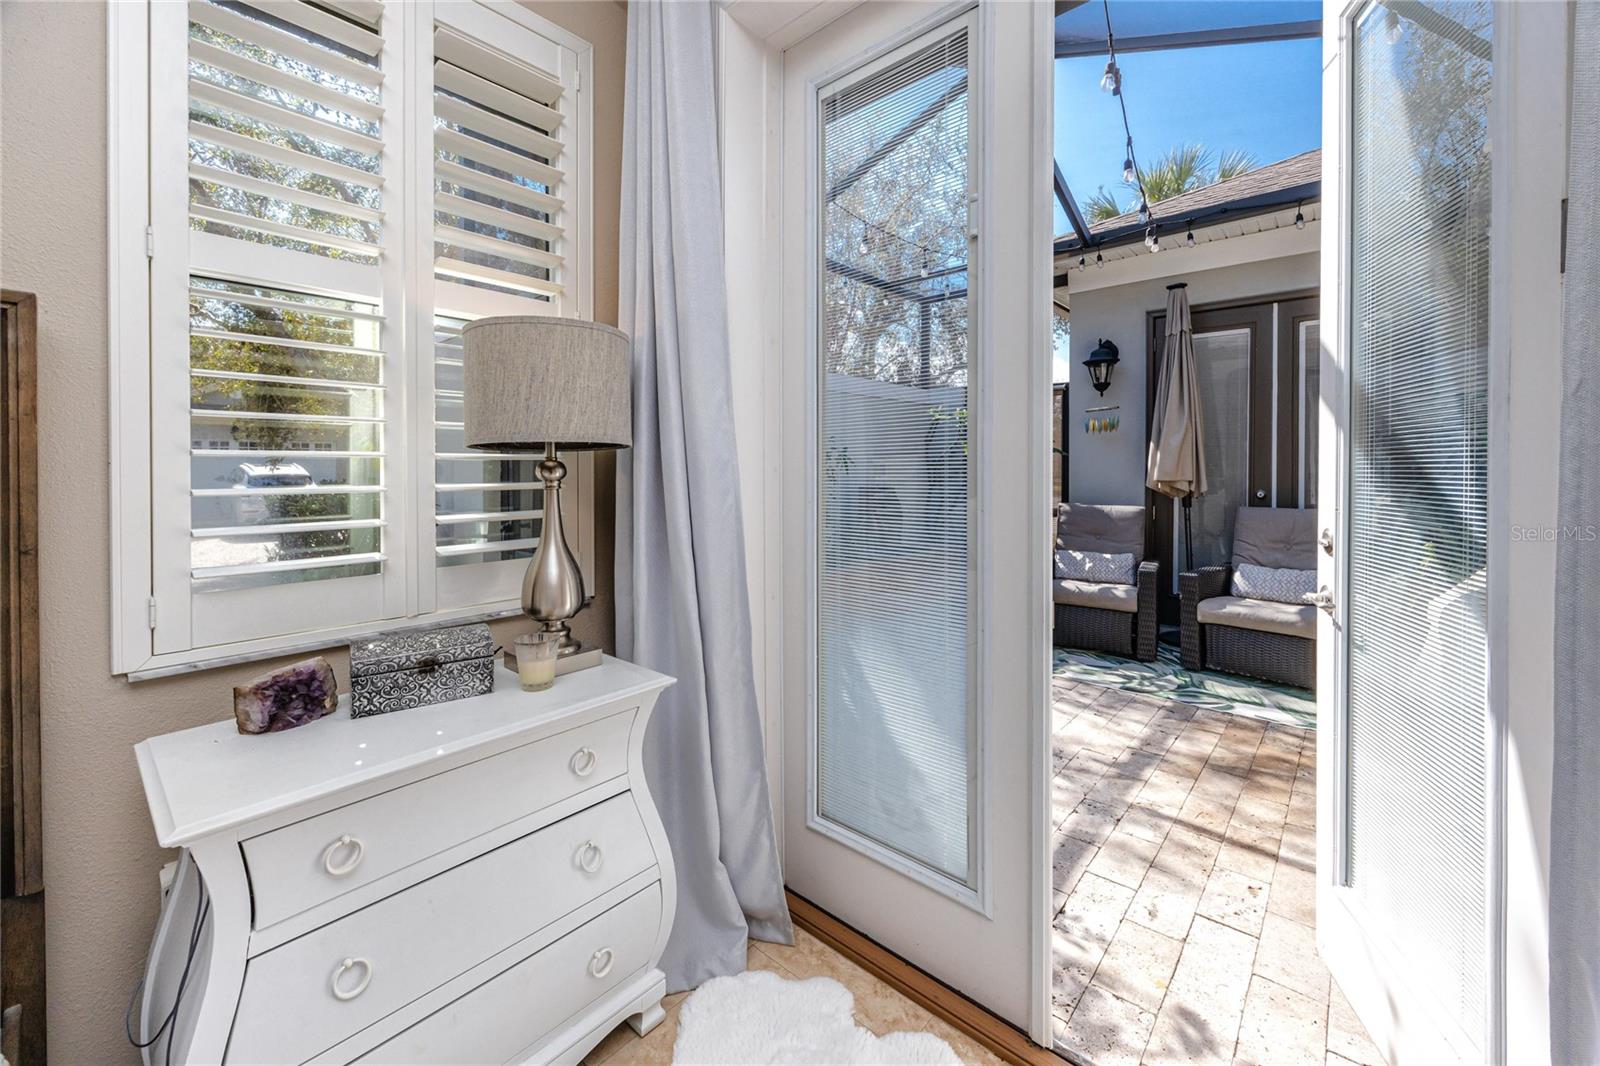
[
  {"x": 1263, "y": 616},
  {"x": 1092, "y": 594},
  {"x": 1278, "y": 537},
  {"x": 1113, "y": 529}
]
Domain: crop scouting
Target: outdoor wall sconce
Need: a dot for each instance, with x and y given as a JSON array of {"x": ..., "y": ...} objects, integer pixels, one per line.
[{"x": 1100, "y": 362}]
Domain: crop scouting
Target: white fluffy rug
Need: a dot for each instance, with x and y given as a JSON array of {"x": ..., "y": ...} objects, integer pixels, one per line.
[{"x": 758, "y": 1017}]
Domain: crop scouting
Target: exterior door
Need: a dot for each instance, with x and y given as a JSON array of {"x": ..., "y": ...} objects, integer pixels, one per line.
[
  {"x": 1253, "y": 389},
  {"x": 916, "y": 656},
  {"x": 1409, "y": 868}
]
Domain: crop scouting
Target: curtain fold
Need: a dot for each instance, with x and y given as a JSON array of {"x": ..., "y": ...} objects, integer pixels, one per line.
[
  {"x": 682, "y": 601},
  {"x": 1575, "y": 795}
]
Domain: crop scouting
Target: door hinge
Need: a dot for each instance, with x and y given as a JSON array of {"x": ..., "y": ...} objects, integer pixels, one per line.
[
  {"x": 149, "y": 242},
  {"x": 150, "y": 610}
]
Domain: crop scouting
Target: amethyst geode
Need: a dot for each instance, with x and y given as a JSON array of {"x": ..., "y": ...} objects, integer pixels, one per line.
[{"x": 286, "y": 698}]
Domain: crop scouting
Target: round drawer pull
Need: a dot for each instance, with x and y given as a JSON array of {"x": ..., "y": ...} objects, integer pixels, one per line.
[
  {"x": 346, "y": 992},
  {"x": 330, "y": 855},
  {"x": 601, "y": 961},
  {"x": 583, "y": 761},
  {"x": 590, "y": 857}
]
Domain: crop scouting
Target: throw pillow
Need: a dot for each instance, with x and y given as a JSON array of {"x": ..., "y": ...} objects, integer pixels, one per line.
[
  {"x": 1098, "y": 567},
  {"x": 1284, "y": 585}
]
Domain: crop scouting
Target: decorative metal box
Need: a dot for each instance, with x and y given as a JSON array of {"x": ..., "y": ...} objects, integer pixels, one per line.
[{"x": 399, "y": 670}]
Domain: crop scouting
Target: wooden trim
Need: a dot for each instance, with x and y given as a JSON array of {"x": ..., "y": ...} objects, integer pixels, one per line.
[
  {"x": 21, "y": 829},
  {"x": 22, "y": 973},
  {"x": 943, "y": 1002}
]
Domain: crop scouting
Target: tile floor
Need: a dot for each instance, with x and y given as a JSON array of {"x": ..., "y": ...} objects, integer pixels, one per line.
[
  {"x": 878, "y": 1007},
  {"x": 1184, "y": 889}
]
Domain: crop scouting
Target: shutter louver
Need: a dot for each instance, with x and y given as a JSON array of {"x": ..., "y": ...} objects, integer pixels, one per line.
[
  {"x": 287, "y": 389},
  {"x": 498, "y": 206},
  {"x": 501, "y": 143},
  {"x": 285, "y": 127}
]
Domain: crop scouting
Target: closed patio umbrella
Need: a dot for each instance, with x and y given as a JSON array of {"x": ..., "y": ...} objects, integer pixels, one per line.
[{"x": 1177, "y": 463}]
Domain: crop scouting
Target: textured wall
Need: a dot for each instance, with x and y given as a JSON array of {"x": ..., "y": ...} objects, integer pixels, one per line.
[{"x": 101, "y": 858}]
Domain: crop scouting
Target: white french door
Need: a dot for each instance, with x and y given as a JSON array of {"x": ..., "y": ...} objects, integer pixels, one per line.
[
  {"x": 1421, "y": 108},
  {"x": 916, "y": 656}
]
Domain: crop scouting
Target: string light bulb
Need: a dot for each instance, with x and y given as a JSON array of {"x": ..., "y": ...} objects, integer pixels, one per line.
[
  {"x": 862, "y": 247},
  {"x": 1144, "y": 212},
  {"x": 1099, "y": 260},
  {"x": 1188, "y": 238},
  {"x": 1111, "y": 80},
  {"x": 1392, "y": 29},
  {"x": 1129, "y": 175},
  {"x": 1083, "y": 263},
  {"x": 1299, "y": 218}
]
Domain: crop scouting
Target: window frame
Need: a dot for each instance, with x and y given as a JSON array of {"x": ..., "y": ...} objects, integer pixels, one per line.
[{"x": 147, "y": 250}]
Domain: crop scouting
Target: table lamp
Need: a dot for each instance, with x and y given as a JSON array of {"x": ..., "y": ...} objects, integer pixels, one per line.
[{"x": 534, "y": 383}]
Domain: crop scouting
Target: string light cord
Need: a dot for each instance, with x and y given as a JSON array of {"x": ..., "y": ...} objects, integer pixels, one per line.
[
  {"x": 1112, "y": 82},
  {"x": 948, "y": 259}
]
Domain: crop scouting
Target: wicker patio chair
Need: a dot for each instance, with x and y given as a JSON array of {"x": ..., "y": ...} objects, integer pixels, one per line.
[
  {"x": 1114, "y": 618},
  {"x": 1261, "y": 638}
]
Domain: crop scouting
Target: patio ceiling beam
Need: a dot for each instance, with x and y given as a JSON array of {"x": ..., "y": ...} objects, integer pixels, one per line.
[
  {"x": 1443, "y": 25},
  {"x": 1069, "y": 47},
  {"x": 905, "y": 288},
  {"x": 905, "y": 133},
  {"x": 1069, "y": 204}
]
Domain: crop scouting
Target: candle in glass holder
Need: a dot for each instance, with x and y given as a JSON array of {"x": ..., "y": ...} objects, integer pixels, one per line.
[{"x": 536, "y": 660}]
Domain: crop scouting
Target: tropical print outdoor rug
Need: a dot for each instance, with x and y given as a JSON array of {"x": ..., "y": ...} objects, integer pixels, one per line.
[{"x": 1167, "y": 678}]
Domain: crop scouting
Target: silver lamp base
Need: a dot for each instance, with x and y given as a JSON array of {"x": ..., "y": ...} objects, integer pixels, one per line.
[{"x": 552, "y": 589}]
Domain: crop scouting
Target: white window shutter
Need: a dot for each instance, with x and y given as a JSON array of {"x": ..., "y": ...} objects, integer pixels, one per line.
[
  {"x": 504, "y": 135},
  {"x": 275, "y": 338}
]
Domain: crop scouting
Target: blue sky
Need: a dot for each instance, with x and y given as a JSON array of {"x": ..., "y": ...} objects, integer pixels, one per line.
[{"x": 1263, "y": 98}]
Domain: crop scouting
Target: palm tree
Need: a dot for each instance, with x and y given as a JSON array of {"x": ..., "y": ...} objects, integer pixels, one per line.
[
  {"x": 1182, "y": 169},
  {"x": 1102, "y": 205}
]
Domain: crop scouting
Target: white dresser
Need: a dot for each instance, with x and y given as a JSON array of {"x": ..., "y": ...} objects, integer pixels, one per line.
[{"x": 479, "y": 881}]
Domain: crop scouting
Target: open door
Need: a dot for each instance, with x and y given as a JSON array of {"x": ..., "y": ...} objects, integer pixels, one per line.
[
  {"x": 915, "y": 367},
  {"x": 1427, "y": 160}
]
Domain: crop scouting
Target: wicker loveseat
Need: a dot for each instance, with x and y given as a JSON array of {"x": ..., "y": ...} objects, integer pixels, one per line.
[
  {"x": 1115, "y": 618},
  {"x": 1262, "y": 638}
]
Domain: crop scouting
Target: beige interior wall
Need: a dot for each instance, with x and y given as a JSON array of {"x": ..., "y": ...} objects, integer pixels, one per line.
[{"x": 101, "y": 857}]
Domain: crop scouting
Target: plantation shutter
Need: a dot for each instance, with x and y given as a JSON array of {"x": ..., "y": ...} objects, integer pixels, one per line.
[
  {"x": 504, "y": 131},
  {"x": 279, "y": 252}
]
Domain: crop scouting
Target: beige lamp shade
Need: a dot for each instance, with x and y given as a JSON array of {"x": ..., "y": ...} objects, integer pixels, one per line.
[{"x": 533, "y": 380}]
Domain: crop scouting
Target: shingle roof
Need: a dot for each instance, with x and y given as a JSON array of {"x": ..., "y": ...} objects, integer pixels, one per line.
[{"x": 1251, "y": 189}]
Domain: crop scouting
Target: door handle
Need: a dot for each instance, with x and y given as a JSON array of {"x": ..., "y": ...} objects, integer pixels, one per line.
[
  {"x": 1322, "y": 598},
  {"x": 1261, "y": 494},
  {"x": 1326, "y": 540}
]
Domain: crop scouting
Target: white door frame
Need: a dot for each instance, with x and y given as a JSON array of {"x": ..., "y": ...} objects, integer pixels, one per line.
[
  {"x": 1528, "y": 132},
  {"x": 752, "y": 39}
]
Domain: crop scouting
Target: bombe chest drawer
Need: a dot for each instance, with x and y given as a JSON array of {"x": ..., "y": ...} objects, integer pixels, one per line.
[{"x": 485, "y": 880}]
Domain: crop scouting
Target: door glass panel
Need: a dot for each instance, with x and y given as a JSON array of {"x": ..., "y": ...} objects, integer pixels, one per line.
[
  {"x": 1418, "y": 510},
  {"x": 1222, "y": 373},
  {"x": 894, "y": 729},
  {"x": 1308, "y": 352}
]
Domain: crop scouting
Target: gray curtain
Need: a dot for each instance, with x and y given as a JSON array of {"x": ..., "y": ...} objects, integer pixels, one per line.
[
  {"x": 1575, "y": 811},
  {"x": 682, "y": 603}
]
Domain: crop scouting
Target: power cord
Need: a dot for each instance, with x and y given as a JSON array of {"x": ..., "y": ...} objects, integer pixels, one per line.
[{"x": 200, "y": 914}]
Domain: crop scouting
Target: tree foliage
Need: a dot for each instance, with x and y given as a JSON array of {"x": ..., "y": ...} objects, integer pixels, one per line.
[{"x": 1180, "y": 169}]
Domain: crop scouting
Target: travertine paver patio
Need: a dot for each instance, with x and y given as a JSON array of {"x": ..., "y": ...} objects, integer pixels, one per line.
[{"x": 1184, "y": 889}]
